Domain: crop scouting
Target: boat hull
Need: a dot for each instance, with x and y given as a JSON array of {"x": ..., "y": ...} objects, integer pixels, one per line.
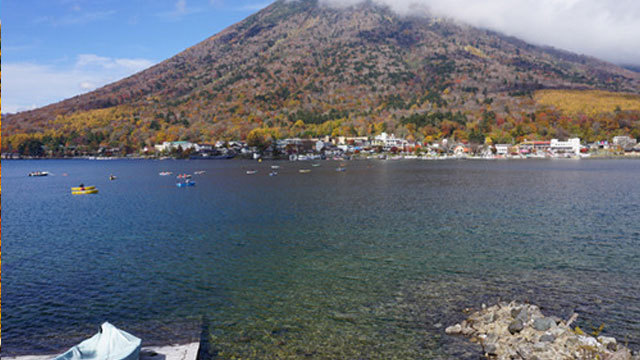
[
  {"x": 109, "y": 344},
  {"x": 85, "y": 192},
  {"x": 83, "y": 189}
]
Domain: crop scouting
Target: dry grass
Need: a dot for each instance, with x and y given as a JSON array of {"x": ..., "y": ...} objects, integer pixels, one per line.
[{"x": 589, "y": 102}]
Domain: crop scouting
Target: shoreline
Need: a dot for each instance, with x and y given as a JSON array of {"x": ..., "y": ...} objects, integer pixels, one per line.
[{"x": 353, "y": 158}]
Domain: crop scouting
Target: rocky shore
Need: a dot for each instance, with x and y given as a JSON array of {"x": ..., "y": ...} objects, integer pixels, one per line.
[{"x": 521, "y": 331}]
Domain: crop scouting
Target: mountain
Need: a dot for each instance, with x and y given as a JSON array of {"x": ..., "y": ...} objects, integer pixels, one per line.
[{"x": 298, "y": 68}]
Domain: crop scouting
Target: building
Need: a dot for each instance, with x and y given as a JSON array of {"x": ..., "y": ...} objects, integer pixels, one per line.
[
  {"x": 570, "y": 146},
  {"x": 204, "y": 147},
  {"x": 168, "y": 146},
  {"x": 502, "y": 149},
  {"x": 354, "y": 140},
  {"x": 535, "y": 146},
  {"x": 388, "y": 142},
  {"x": 624, "y": 142}
]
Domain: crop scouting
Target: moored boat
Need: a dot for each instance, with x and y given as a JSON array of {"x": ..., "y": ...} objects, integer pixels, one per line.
[
  {"x": 83, "y": 188},
  {"x": 110, "y": 343},
  {"x": 38, "y": 173},
  {"x": 84, "y": 192},
  {"x": 304, "y": 171},
  {"x": 186, "y": 183},
  {"x": 252, "y": 172}
]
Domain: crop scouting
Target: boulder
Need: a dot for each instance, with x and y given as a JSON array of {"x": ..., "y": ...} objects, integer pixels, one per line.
[
  {"x": 543, "y": 324},
  {"x": 516, "y": 326}
]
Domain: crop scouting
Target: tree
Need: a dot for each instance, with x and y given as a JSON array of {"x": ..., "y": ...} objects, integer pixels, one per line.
[
  {"x": 31, "y": 147},
  {"x": 259, "y": 138}
]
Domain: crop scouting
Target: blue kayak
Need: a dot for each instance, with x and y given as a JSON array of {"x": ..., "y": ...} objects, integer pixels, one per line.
[{"x": 186, "y": 183}]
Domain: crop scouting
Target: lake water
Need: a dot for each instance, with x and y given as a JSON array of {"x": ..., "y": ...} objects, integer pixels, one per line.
[{"x": 370, "y": 263}]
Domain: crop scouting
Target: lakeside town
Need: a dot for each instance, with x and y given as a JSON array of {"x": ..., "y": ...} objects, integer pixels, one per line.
[{"x": 383, "y": 146}]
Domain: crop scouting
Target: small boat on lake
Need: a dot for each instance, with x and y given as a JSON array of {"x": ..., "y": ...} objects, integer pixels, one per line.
[
  {"x": 200, "y": 172},
  {"x": 110, "y": 343},
  {"x": 273, "y": 173},
  {"x": 184, "y": 176},
  {"x": 315, "y": 165},
  {"x": 304, "y": 171},
  {"x": 112, "y": 177},
  {"x": 165, "y": 173},
  {"x": 38, "y": 173},
  {"x": 252, "y": 172},
  {"x": 187, "y": 183},
  {"x": 84, "y": 190},
  {"x": 275, "y": 167}
]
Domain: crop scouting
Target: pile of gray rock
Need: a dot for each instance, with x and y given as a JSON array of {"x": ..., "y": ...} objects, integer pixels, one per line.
[{"x": 521, "y": 331}]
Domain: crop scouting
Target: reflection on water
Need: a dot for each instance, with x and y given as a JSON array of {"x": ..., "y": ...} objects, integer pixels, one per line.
[{"x": 373, "y": 262}]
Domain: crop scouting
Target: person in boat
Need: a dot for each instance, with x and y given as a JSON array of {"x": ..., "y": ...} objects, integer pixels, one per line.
[{"x": 81, "y": 187}]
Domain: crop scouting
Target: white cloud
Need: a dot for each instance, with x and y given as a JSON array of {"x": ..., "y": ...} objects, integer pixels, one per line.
[
  {"x": 30, "y": 85},
  {"x": 180, "y": 10},
  {"x": 181, "y": 6},
  {"x": 607, "y": 29}
]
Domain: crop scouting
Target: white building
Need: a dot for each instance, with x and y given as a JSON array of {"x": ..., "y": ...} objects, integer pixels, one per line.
[
  {"x": 387, "y": 142},
  {"x": 569, "y": 146},
  {"x": 502, "y": 149},
  {"x": 625, "y": 142},
  {"x": 171, "y": 145}
]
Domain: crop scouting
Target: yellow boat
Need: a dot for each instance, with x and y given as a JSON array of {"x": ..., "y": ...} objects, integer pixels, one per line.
[
  {"x": 84, "y": 188},
  {"x": 87, "y": 190}
]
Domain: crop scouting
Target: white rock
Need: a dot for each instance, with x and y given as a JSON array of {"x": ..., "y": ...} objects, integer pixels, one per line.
[
  {"x": 606, "y": 340},
  {"x": 455, "y": 329}
]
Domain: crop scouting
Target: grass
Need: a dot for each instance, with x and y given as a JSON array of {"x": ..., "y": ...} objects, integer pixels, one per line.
[{"x": 589, "y": 102}]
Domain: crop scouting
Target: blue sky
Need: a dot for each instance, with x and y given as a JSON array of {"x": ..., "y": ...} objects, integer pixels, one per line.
[{"x": 55, "y": 49}]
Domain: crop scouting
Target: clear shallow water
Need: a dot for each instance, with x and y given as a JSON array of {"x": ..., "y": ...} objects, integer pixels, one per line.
[{"x": 371, "y": 263}]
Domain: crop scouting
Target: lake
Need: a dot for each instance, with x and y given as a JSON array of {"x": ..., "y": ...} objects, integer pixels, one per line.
[{"x": 373, "y": 262}]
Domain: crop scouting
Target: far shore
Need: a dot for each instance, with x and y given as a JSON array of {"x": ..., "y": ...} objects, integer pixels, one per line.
[{"x": 382, "y": 156}]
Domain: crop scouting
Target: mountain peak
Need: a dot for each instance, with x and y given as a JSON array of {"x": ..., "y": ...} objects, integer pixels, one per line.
[{"x": 350, "y": 67}]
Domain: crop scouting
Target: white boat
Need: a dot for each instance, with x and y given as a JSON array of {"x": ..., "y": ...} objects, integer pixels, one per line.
[
  {"x": 38, "y": 173},
  {"x": 275, "y": 167},
  {"x": 252, "y": 172},
  {"x": 110, "y": 343},
  {"x": 304, "y": 171}
]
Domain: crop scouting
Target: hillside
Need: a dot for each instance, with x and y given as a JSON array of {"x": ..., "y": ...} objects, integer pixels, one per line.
[{"x": 302, "y": 69}]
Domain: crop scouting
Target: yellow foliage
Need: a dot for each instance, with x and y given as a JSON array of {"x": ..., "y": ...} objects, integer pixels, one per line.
[
  {"x": 588, "y": 102},
  {"x": 475, "y": 51}
]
